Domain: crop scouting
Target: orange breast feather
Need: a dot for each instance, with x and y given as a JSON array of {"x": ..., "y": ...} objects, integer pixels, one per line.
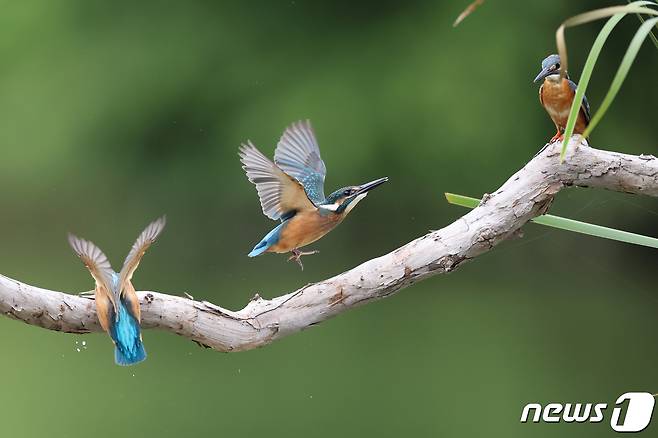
[
  {"x": 304, "y": 228},
  {"x": 557, "y": 97}
]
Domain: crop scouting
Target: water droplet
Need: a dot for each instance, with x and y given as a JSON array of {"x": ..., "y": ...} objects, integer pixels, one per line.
[{"x": 79, "y": 346}]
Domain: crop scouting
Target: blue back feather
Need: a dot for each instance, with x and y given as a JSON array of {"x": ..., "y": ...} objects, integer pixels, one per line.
[{"x": 310, "y": 179}]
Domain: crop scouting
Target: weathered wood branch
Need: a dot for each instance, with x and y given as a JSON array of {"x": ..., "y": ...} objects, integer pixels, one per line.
[{"x": 527, "y": 194}]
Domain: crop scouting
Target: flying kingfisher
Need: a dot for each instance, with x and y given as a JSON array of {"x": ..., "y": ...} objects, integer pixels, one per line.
[
  {"x": 556, "y": 96},
  {"x": 117, "y": 305},
  {"x": 291, "y": 189}
]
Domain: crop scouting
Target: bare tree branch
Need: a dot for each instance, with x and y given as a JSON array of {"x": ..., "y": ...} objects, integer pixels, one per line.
[{"x": 527, "y": 194}]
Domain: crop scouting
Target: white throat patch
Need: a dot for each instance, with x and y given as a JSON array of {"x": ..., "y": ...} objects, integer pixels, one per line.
[
  {"x": 334, "y": 207},
  {"x": 356, "y": 201},
  {"x": 554, "y": 77},
  {"x": 330, "y": 207}
]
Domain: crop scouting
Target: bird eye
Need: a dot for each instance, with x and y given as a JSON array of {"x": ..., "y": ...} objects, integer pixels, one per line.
[
  {"x": 347, "y": 192},
  {"x": 557, "y": 66}
]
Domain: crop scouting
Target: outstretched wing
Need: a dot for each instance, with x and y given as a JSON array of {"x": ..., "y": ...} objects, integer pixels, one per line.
[
  {"x": 585, "y": 104},
  {"x": 145, "y": 239},
  {"x": 98, "y": 265},
  {"x": 279, "y": 193},
  {"x": 298, "y": 155}
]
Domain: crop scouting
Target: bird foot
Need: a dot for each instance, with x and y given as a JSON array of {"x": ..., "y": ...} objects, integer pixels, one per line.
[
  {"x": 557, "y": 137},
  {"x": 297, "y": 256}
]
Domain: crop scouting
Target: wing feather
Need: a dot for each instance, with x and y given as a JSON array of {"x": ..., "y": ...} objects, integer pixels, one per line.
[
  {"x": 279, "y": 193},
  {"x": 143, "y": 242},
  {"x": 298, "y": 155},
  {"x": 98, "y": 265}
]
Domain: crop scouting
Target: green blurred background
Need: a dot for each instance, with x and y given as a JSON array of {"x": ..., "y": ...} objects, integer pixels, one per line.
[{"x": 113, "y": 113}]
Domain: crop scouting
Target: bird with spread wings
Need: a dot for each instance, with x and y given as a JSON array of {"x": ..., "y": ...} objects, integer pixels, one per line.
[{"x": 117, "y": 305}]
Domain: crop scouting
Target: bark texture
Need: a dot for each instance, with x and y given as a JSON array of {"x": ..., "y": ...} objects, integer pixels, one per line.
[{"x": 526, "y": 194}]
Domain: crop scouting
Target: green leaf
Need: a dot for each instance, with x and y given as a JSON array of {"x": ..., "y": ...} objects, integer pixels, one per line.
[{"x": 569, "y": 224}]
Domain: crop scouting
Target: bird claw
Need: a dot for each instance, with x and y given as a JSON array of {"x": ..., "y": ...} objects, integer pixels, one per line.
[
  {"x": 297, "y": 256},
  {"x": 557, "y": 137}
]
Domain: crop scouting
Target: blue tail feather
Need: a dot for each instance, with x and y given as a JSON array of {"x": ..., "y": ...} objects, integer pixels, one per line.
[
  {"x": 125, "y": 332},
  {"x": 259, "y": 249},
  {"x": 270, "y": 239},
  {"x": 138, "y": 355}
]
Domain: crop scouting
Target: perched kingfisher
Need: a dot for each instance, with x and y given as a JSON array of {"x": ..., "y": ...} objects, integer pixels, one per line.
[
  {"x": 556, "y": 96},
  {"x": 291, "y": 189},
  {"x": 117, "y": 305}
]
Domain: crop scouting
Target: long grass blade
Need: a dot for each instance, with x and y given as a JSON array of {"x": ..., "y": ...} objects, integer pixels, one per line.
[
  {"x": 651, "y": 34},
  {"x": 636, "y": 7},
  {"x": 468, "y": 11},
  {"x": 617, "y": 12},
  {"x": 585, "y": 76},
  {"x": 624, "y": 67},
  {"x": 575, "y": 226}
]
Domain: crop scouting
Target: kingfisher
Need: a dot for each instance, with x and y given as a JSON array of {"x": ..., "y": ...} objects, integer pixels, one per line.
[
  {"x": 117, "y": 305},
  {"x": 291, "y": 190},
  {"x": 556, "y": 96}
]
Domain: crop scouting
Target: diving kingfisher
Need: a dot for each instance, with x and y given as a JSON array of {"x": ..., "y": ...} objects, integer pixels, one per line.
[
  {"x": 556, "y": 96},
  {"x": 117, "y": 305},
  {"x": 291, "y": 189}
]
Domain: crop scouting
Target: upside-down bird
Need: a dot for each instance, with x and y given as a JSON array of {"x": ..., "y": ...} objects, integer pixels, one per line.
[
  {"x": 291, "y": 189},
  {"x": 117, "y": 305},
  {"x": 556, "y": 96}
]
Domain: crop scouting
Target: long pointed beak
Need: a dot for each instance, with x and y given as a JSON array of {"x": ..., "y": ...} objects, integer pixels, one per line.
[
  {"x": 370, "y": 185},
  {"x": 542, "y": 74}
]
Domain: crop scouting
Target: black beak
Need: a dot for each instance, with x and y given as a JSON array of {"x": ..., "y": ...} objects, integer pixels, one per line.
[
  {"x": 370, "y": 185},
  {"x": 542, "y": 74}
]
